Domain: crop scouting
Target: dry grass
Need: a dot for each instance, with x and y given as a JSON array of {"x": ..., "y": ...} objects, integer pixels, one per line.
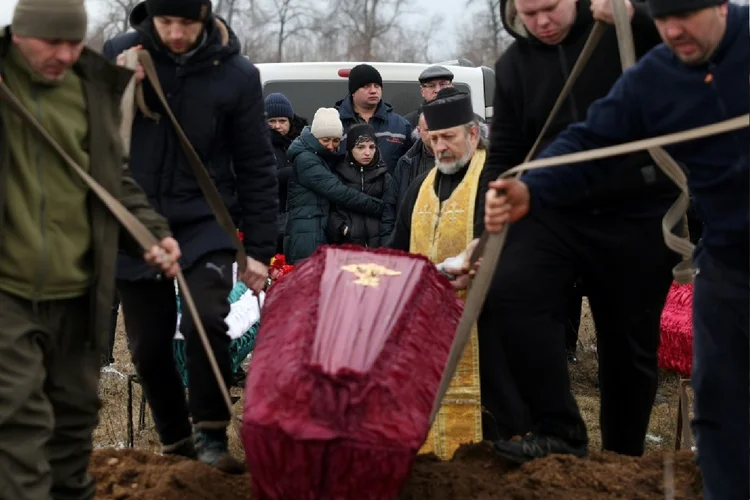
[
  {"x": 112, "y": 430},
  {"x": 585, "y": 386}
]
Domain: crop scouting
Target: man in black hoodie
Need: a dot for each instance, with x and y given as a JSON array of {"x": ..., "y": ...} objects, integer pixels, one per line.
[
  {"x": 217, "y": 98},
  {"x": 549, "y": 250}
]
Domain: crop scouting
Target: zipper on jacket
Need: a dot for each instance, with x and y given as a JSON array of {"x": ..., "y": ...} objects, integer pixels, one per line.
[
  {"x": 362, "y": 179},
  {"x": 43, "y": 211},
  {"x": 566, "y": 74}
]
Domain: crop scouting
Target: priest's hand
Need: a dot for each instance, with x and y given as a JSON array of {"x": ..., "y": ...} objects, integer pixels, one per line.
[
  {"x": 464, "y": 275},
  {"x": 507, "y": 201},
  {"x": 461, "y": 278},
  {"x": 602, "y": 10}
]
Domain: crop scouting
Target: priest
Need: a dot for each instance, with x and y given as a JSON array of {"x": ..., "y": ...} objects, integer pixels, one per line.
[{"x": 437, "y": 219}]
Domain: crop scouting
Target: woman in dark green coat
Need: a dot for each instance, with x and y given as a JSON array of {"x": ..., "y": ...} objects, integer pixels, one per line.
[{"x": 314, "y": 186}]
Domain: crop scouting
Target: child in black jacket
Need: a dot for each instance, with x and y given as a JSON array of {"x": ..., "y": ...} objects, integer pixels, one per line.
[{"x": 364, "y": 170}]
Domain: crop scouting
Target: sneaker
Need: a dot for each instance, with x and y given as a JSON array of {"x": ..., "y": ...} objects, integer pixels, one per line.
[
  {"x": 532, "y": 446},
  {"x": 184, "y": 448},
  {"x": 213, "y": 449}
]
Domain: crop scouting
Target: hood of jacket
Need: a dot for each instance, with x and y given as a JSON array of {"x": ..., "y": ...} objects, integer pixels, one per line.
[
  {"x": 514, "y": 25},
  {"x": 307, "y": 143},
  {"x": 346, "y": 109},
  {"x": 219, "y": 41},
  {"x": 296, "y": 125}
]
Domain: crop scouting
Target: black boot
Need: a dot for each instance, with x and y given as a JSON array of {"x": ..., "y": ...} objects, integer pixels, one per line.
[
  {"x": 183, "y": 448},
  {"x": 532, "y": 446},
  {"x": 212, "y": 446}
]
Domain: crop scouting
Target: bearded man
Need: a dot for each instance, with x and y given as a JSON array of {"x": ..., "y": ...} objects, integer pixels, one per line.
[{"x": 437, "y": 219}]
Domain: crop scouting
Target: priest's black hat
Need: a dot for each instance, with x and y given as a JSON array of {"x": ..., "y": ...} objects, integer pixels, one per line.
[{"x": 451, "y": 108}]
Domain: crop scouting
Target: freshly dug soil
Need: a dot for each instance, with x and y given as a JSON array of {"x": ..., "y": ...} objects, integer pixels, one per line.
[{"x": 474, "y": 473}]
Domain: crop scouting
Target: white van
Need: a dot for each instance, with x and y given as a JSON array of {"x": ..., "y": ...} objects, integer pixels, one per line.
[{"x": 313, "y": 85}]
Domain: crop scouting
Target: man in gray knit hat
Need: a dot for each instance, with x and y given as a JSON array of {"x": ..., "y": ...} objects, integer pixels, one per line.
[{"x": 57, "y": 248}]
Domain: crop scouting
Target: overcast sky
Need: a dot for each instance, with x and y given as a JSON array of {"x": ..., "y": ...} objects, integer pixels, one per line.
[{"x": 420, "y": 7}]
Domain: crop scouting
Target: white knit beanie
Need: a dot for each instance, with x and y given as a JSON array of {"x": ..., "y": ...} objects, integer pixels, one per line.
[{"x": 326, "y": 123}]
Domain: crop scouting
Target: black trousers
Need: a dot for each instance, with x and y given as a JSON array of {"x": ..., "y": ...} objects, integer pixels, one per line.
[
  {"x": 150, "y": 311},
  {"x": 627, "y": 271}
]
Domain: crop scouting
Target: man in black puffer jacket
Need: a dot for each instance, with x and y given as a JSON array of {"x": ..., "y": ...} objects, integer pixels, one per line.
[
  {"x": 606, "y": 229},
  {"x": 215, "y": 93}
]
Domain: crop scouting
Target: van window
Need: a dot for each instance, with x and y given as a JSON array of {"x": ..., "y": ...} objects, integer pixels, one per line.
[{"x": 307, "y": 96}]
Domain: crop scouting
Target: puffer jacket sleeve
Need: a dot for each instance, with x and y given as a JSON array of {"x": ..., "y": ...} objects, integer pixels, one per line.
[
  {"x": 313, "y": 174},
  {"x": 390, "y": 207},
  {"x": 390, "y": 203},
  {"x": 255, "y": 169}
]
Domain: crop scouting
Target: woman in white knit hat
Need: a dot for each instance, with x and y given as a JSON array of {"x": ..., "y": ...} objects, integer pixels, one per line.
[{"x": 313, "y": 186}]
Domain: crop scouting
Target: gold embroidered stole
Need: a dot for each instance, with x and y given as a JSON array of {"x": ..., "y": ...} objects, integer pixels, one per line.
[{"x": 439, "y": 232}]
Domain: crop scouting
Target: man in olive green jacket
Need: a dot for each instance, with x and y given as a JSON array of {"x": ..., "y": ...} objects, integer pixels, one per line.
[{"x": 58, "y": 246}]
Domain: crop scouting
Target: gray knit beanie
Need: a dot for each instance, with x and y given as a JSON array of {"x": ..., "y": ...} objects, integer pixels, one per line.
[{"x": 50, "y": 19}]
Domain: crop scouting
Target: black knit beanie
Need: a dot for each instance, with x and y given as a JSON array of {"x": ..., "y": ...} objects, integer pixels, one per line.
[
  {"x": 197, "y": 10},
  {"x": 278, "y": 106},
  {"x": 361, "y": 75},
  {"x": 663, "y": 8}
]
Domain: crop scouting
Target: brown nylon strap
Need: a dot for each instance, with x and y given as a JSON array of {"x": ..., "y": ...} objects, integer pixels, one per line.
[
  {"x": 214, "y": 199},
  {"x": 682, "y": 272},
  {"x": 136, "y": 229}
]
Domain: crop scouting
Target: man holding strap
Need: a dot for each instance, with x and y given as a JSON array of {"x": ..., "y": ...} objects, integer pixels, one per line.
[
  {"x": 216, "y": 96},
  {"x": 699, "y": 76}
]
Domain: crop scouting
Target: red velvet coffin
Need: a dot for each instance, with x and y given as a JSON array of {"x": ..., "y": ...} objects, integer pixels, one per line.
[
  {"x": 676, "y": 348},
  {"x": 350, "y": 353}
]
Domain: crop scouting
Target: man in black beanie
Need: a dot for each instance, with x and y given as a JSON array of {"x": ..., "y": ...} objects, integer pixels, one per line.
[
  {"x": 216, "y": 96},
  {"x": 364, "y": 104},
  {"x": 697, "y": 78}
]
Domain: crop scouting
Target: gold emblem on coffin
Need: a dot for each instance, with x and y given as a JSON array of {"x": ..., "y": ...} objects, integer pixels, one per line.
[{"x": 369, "y": 274}]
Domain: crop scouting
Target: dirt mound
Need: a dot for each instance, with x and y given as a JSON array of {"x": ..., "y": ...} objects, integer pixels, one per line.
[{"x": 474, "y": 473}]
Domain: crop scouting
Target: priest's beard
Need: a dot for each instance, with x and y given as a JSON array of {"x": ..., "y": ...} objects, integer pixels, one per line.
[{"x": 452, "y": 167}]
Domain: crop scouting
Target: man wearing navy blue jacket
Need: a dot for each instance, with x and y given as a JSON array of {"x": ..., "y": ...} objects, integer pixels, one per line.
[
  {"x": 365, "y": 104},
  {"x": 697, "y": 77},
  {"x": 216, "y": 95}
]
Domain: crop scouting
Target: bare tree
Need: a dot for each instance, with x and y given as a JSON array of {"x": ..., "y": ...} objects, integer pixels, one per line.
[
  {"x": 116, "y": 18},
  {"x": 492, "y": 28},
  {"x": 367, "y": 22},
  {"x": 485, "y": 37},
  {"x": 411, "y": 44},
  {"x": 289, "y": 17}
]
